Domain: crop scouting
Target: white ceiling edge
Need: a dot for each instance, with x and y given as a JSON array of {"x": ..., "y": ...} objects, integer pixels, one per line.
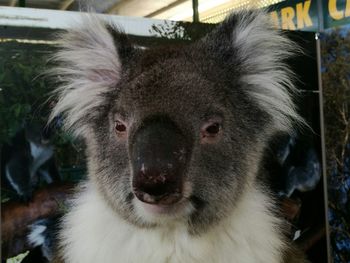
[{"x": 57, "y": 19}]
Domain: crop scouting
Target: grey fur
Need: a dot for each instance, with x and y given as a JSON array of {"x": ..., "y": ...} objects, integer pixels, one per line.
[{"x": 237, "y": 72}]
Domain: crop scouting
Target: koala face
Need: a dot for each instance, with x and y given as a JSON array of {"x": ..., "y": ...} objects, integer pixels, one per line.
[
  {"x": 174, "y": 134},
  {"x": 169, "y": 150}
]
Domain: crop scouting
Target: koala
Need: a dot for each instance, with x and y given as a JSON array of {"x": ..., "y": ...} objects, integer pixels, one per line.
[{"x": 175, "y": 140}]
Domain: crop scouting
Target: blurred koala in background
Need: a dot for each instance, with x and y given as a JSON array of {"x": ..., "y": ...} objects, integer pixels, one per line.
[{"x": 175, "y": 138}]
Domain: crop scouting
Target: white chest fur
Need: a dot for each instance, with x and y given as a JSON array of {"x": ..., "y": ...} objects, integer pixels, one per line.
[{"x": 94, "y": 233}]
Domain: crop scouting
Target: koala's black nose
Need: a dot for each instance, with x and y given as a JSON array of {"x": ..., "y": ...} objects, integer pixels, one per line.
[{"x": 159, "y": 153}]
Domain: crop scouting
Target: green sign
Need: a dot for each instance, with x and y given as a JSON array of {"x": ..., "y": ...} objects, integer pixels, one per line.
[
  {"x": 336, "y": 12},
  {"x": 305, "y": 15}
]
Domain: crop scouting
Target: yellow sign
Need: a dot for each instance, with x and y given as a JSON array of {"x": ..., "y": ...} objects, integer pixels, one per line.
[
  {"x": 338, "y": 13},
  {"x": 295, "y": 16},
  {"x": 304, "y": 15}
]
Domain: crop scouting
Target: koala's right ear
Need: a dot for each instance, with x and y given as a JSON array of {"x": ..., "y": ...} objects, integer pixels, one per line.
[{"x": 88, "y": 66}]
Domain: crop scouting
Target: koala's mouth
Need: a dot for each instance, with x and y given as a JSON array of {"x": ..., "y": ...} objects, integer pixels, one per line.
[
  {"x": 174, "y": 205},
  {"x": 180, "y": 208},
  {"x": 160, "y": 199},
  {"x": 165, "y": 203}
]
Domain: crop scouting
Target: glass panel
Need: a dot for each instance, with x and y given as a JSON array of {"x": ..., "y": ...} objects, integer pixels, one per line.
[
  {"x": 295, "y": 161},
  {"x": 336, "y": 92}
]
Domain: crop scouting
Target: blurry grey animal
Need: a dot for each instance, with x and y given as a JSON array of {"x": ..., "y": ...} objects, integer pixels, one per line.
[
  {"x": 305, "y": 176},
  {"x": 28, "y": 159},
  {"x": 175, "y": 138}
]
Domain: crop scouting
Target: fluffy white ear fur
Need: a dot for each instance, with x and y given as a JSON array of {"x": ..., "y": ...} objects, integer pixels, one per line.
[
  {"x": 262, "y": 52},
  {"x": 88, "y": 66}
]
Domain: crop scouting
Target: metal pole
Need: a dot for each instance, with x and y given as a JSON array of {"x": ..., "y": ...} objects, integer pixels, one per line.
[
  {"x": 22, "y": 3},
  {"x": 195, "y": 11},
  {"x": 323, "y": 146}
]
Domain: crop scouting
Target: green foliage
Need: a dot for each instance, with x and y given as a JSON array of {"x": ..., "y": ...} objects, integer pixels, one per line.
[
  {"x": 18, "y": 258},
  {"x": 24, "y": 98},
  {"x": 180, "y": 30},
  {"x": 23, "y": 91},
  {"x": 336, "y": 91}
]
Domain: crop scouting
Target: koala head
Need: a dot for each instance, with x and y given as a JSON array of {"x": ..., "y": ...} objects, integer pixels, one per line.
[{"x": 174, "y": 134}]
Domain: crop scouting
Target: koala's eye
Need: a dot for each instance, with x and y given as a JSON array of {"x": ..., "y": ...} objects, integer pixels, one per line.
[
  {"x": 213, "y": 129},
  {"x": 119, "y": 127}
]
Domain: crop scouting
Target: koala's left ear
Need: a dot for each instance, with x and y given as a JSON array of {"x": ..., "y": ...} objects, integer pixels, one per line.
[
  {"x": 248, "y": 44},
  {"x": 89, "y": 65}
]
